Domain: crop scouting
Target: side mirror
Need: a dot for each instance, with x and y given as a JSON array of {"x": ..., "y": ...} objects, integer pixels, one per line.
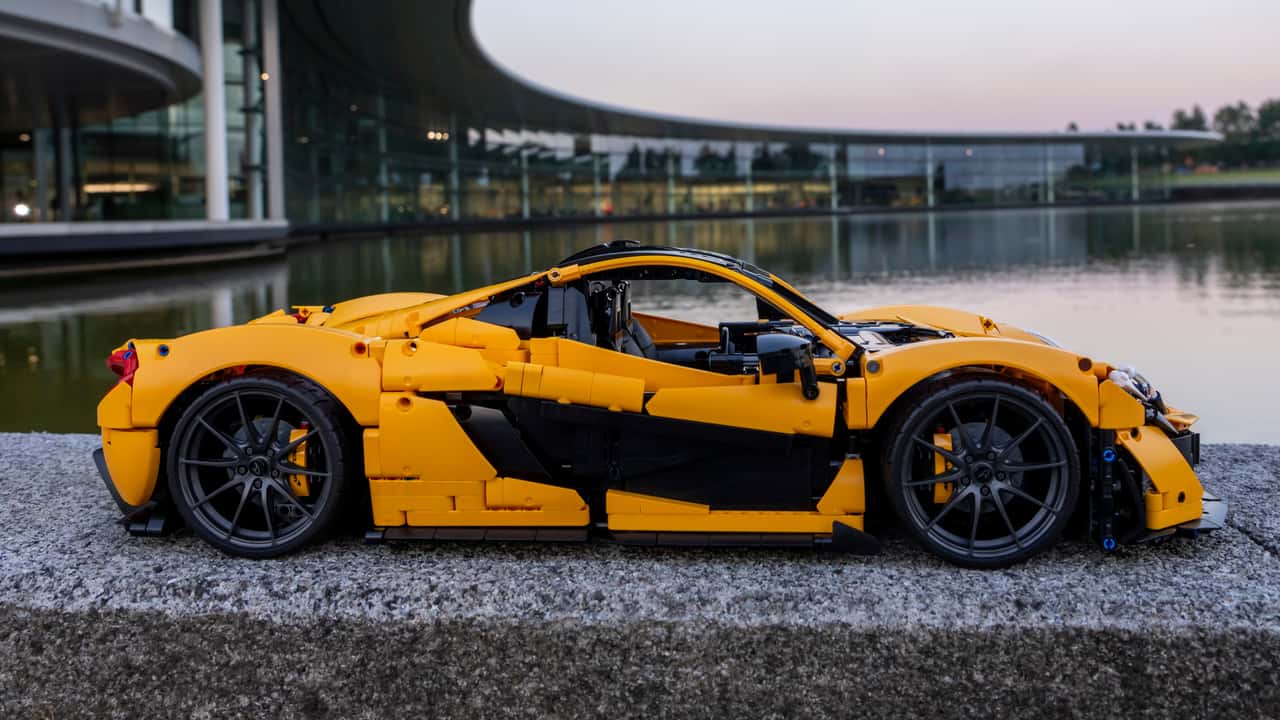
[{"x": 784, "y": 355}]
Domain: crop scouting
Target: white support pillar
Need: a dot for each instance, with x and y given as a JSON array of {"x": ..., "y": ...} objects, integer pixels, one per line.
[
  {"x": 274, "y": 109},
  {"x": 252, "y": 96},
  {"x": 596, "y": 208},
  {"x": 929, "y": 171},
  {"x": 40, "y": 160},
  {"x": 524, "y": 183},
  {"x": 1134, "y": 191},
  {"x": 455, "y": 178},
  {"x": 1049, "y": 196},
  {"x": 384, "y": 192},
  {"x": 831, "y": 177},
  {"x": 64, "y": 167},
  {"x": 751, "y": 196},
  {"x": 671, "y": 183},
  {"x": 215, "y": 111},
  {"x": 220, "y": 308}
]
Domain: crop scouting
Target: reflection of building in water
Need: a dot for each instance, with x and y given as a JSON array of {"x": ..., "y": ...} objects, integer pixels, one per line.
[
  {"x": 68, "y": 323},
  {"x": 962, "y": 241}
]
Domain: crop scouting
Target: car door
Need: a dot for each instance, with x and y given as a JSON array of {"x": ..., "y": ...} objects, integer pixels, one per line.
[{"x": 731, "y": 442}]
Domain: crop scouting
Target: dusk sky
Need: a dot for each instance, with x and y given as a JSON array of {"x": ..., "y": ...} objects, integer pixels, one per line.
[{"x": 977, "y": 65}]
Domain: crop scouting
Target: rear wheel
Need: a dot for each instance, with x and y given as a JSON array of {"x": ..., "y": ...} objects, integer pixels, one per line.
[
  {"x": 258, "y": 464},
  {"x": 982, "y": 472}
]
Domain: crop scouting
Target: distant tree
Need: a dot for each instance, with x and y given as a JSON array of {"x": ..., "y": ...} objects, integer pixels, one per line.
[
  {"x": 1126, "y": 127},
  {"x": 1268, "y": 120},
  {"x": 1073, "y": 127},
  {"x": 1152, "y": 125},
  {"x": 1237, "y": 123},
  {"x": 1195, "y": 120}
]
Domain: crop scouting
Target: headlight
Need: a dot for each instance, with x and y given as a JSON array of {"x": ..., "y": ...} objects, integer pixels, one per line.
[
  {"x": 1133, "y": 383},
  {"x": 1043, "y": 338}
]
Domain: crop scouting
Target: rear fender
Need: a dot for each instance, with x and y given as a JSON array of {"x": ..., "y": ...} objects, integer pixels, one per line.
[{"x": 337, "y": 360}]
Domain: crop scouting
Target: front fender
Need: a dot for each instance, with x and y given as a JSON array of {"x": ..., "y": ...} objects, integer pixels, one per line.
[
  {"x": 891, "y": 373},
  {"x": 337, "y": 360}
]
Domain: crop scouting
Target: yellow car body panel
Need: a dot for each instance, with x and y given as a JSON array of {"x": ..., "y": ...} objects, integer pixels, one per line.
[
  {"x": 639, "y": 513},
  {"x": 848, "y": 493},
  {"x": 339, "y": 361},
  {"x": 656, "y": 375},
  {"x": 574, "y": 387},
  {"x": 1175, "y": 495},
  {"x": 419, "y": 438},
  {"x": 961, "y": 322},
  {"x": 133, "y": 457},
  {"x": 1118, "y": 409},
  {"x": 773, "y": 407},
  {"x": 891, "y": 373},
  {"x": 432, "y": 367},
  {"x": 668, "y": 331}
]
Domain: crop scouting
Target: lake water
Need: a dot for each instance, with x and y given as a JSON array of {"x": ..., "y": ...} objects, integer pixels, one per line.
[{"x": 1189, "y": 294}]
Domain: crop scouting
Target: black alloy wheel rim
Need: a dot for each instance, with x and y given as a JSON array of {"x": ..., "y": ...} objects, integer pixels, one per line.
[
  {"x": 234, "y": 466},
  {"x": 1008, "y": 472}
]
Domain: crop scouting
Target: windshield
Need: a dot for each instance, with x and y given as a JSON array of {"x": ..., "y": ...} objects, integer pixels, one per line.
[{"x": 804, "y": 304}]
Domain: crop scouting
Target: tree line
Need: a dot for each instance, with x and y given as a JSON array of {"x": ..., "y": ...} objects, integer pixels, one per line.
[{"x": 1251, "y": 136}]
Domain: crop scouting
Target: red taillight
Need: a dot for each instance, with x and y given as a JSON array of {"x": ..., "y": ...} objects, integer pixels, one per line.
[{"x": 124, "y": 363}]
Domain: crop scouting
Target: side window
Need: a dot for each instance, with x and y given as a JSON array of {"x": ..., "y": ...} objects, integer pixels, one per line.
[{"x": 706, "y": 303}]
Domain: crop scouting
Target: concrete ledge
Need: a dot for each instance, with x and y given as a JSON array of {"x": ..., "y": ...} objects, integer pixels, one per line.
[
  {"x": 47, "y": 240},
  {"x": 93, "y": 622}
]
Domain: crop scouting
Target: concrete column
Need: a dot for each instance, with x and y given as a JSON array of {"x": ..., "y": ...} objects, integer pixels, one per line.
[
  {"x": 1134, "y": 193},
  {"x": 384, "y": 198},
  {"x": 671, "y": 183},
  {"x": 40, "y": 161},
  {"x": 596, "y": 208},
  {"x": 215, "y": 111},
  {"x": 1164, "y": 173},
  {"x": 933, "y": 241},
  {"x": 220, "y": 305},
  {"x": 834, "y": 261},
  {"x": 831, "y": 177},
  {"x": 524, "y": 183},
  {"x": 279, "y": 289},
  {"x": 252, "y": 132},
  {"x": 750, "y": 200},
  {"x": 63, "y": 163},
  {"x": 1049, "y": 197},
  {"x": 455, "y": 262},
  {"x": 313, "y": 169},
  {"x": 455, "y": 181},
  {"x": 388, "y": 264},
  {"x": 274, "y": 108},
  {"x": 1136, "y": 224},
  {"x": 929, "y": 171}
]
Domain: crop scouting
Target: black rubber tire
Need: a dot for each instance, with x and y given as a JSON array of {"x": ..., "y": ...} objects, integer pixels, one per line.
[
  {"x": 901, "y": 459},
  {"x": 329, "y": 422}
]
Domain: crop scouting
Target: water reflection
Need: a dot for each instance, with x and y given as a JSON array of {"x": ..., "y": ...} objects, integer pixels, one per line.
[{"x": 1189, "y": 294}]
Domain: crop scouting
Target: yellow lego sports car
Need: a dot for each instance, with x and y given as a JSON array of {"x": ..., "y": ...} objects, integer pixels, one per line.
[{"x": 545, "y": 408}]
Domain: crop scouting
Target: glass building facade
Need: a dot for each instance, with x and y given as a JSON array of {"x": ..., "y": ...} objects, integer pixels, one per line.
[{"x": 361, "y": 146}]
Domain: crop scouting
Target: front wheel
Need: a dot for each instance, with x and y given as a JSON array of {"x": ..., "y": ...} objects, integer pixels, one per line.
[
  {"x": 258, "y": 464},
  {"x": 981, "y": 471}
]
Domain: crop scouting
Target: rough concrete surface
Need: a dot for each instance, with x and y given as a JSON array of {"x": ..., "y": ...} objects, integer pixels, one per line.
[{"x": 96, "y": 623}]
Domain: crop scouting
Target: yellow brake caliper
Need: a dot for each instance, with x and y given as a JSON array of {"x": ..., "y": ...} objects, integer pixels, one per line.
[
  {"x": 298, "y": 457},
  {"x": 942, "y": 491}
]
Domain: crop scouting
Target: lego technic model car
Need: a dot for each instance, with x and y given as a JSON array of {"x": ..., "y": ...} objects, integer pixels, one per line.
[{"x": 544, "y": 408}]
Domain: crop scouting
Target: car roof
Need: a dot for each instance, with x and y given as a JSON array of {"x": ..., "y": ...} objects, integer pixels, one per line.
[{"x": 631, "y": 248}]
